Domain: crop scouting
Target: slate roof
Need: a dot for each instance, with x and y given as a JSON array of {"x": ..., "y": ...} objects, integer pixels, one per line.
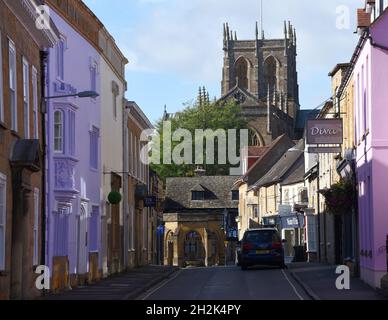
[
  {"x": 303, "y": 116},
  {"x": 274, "y": 152},
  {"x": 284, "y": 167},
  {"x": 218, "y": 193},
  {"x": 297, "y": 174}
]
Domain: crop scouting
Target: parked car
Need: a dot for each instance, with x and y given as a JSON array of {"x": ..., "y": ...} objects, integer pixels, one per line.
[{"x": 262, "y": 247}]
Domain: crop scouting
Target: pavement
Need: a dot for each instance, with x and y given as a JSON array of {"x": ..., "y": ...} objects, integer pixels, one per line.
[
  {"x": 228, "y": 283},
  {"x": 126, "y": 286},
  {"x": 318, "y": 281},
  {"x": 300, "y": 281}
]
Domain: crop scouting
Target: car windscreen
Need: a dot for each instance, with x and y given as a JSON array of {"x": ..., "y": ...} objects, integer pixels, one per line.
[{"x": 265, "y": 236}]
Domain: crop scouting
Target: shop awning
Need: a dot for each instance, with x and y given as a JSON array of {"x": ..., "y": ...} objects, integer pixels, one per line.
[{"x": 292, "y": 221}]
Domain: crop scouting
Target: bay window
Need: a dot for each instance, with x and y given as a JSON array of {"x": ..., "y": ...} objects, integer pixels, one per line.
[{"x": 58, "y": 131}]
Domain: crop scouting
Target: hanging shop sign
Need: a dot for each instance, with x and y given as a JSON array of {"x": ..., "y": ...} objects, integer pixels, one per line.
[
  {"x": 325, "y": 131},
  {"x": 324, "y": 150},
  {"x": 150, "y": 202}
]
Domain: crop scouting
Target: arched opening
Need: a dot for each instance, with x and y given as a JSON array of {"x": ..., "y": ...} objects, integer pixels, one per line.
[
  {"x": 194, "y": 250},
  {"x": 255, "y": 140},
  {"x": 270, "y": 74},
  {"x": 241, "y": 69},
  {"x": 169, "y": 249}
]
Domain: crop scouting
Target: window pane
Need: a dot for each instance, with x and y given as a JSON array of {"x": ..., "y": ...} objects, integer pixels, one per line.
[{"x": 58, "y": 131}]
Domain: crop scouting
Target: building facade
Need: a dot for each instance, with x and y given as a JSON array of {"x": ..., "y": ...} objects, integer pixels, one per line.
[
  {"x": 73, "y": 222},
  {"x": 138, "y": 188},
  {"x": 371, "y": 147},
  {"x": 21, "y": 146},
  {"x": 196, "y": 215},
  {"x": 251, "y": 207},
  {"x": 112, "y": 94}
]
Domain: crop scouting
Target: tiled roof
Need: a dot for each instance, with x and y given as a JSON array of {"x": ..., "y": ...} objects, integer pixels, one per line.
[
  {"x": 283, "y": 167},
  {"x": 274, "y": 152},
  {"x": 218, "y": 190},
  {"x": 297, "y": 173},
  {"x": 256, "y": 151}
]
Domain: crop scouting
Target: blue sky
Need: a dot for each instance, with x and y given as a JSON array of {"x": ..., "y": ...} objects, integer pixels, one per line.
[{"x": 175, "y": 46}]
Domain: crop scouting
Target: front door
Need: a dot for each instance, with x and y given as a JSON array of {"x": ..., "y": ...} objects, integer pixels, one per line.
[
  {"x": 115, "y": 240},
  {"x": 82, "y": 241}
]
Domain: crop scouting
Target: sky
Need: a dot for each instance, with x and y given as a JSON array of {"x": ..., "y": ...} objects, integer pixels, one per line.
[{"x": 175, "y": 46}]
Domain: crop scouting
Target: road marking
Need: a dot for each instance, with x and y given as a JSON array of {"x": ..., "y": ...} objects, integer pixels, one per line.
[
  {"x": 150, "y": 293},
  {"x": 292, "y": 285}
]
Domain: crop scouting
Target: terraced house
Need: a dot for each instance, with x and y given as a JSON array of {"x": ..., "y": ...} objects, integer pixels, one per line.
[{"x": 22, "y": 47}]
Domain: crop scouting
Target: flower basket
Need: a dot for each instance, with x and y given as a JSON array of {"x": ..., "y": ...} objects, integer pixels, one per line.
[
  {"x": 114, "y": 197},
  {"x": 340, "y": 197}
]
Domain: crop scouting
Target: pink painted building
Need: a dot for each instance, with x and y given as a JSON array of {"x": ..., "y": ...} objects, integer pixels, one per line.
[{"x": 371, "y": 135}]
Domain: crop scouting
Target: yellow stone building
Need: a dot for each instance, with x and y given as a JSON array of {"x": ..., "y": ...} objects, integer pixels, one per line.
[{"x": 200, "y": 220}]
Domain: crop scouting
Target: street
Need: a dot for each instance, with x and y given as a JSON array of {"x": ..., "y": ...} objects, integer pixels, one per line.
[{"x": 228, "y": 283}]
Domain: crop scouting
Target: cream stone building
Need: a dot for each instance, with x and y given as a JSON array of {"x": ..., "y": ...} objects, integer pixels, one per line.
[
  {"x": 112, "y": 91},
  {"x": 251, "y": 209}
]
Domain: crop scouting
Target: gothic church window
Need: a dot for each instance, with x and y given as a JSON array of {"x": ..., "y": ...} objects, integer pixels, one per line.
[
  {"x": 242, "y": 73},
  {"x": 270, "y": 74}
]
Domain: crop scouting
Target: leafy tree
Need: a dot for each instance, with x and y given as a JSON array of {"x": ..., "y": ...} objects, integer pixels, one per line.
[{"x": 201, "y": 116}]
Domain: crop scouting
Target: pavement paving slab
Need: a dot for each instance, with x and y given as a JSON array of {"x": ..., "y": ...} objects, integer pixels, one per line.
[
  {"x": 125, "y": 286},
  {"x": 319, "y": 280}
]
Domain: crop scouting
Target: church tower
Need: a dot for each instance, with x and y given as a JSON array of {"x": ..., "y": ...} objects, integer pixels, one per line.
[{"x": 266, "y": 70}]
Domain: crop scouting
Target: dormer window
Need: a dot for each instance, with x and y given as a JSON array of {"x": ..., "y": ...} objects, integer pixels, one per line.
[
  {"x": 198, "y": 195},
  {"x": 235, "y": 195}
]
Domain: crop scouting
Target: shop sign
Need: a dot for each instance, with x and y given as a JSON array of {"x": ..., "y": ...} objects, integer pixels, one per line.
[{"x": 325, "y": 131}]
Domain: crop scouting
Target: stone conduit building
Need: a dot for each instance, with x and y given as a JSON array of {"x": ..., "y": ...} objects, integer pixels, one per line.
[{"x": 199, "y": 214}]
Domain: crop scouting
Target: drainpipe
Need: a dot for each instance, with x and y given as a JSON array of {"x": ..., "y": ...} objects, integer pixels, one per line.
[
  {"x": 125, "y": 187},
  {"x": 43, "y": 62},
  {"x": 319, "y": 213}
]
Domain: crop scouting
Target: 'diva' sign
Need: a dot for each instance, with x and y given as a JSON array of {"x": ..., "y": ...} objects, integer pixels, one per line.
[{"x": 325, "y": 131}]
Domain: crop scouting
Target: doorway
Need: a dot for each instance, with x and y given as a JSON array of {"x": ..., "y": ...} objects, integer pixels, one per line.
[{"x": 82, "y": 241}]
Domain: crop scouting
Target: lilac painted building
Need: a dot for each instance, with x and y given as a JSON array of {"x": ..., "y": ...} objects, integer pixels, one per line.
[
  {"x": 72, "y": 164},
  {"x": 371, "y": 136}
]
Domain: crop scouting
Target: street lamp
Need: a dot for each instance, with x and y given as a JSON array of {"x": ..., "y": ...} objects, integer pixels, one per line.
[{"x": 83, "y": 94}]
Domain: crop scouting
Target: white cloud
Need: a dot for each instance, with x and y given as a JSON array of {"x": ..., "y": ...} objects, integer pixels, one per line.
[{"x": 185, "y": 37}]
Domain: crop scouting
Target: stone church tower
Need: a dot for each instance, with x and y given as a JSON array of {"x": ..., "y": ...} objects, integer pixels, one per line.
[{"x": 261, "y": 76}]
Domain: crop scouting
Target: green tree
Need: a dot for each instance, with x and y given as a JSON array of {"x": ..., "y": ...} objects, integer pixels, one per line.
[{"x": 201, "y": 116}]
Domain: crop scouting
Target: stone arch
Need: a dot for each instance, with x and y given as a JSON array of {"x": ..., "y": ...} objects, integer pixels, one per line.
[
  {"x": 193, "y": 248},
  {"x": 255, "y": 138},
  {"x": 271, "y": 74},
  {"x": 169, "y": 248},
  {"x": 242, "y": 68}
]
